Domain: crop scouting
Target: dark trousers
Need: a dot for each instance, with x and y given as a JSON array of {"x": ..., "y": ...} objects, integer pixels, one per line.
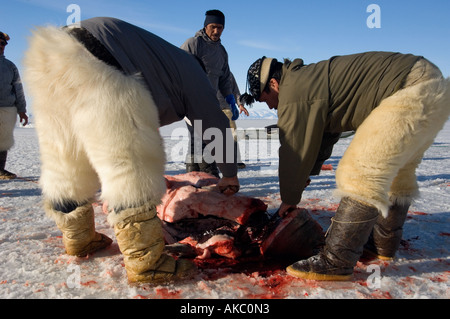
[
  {"x": 3, "y": 156},
  {"x": 192, "y": 146}
]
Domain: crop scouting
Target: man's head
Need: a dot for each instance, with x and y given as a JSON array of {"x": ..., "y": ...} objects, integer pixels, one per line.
[
  {"x": 214, "y": 24},
  {"x": 4, "y": 38},
  {"x": 263, "y": 78}
]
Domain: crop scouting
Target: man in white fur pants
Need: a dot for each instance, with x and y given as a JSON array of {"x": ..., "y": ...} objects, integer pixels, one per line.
[
  {"x": 101, "y": 90},
  {"x": 396, "y": 103}
]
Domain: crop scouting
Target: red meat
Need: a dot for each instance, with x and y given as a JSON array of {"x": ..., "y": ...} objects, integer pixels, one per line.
[
  {"x": 199, "y": 221},
  {"x": 192, "y": 195},
  {"x": 222, "y": 245}
]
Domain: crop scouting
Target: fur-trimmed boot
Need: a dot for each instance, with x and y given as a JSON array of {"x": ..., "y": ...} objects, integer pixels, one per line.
[
  {"x": 386, "y": 236},
  {"x": 78, "y": 229},
  {"x": 345, "y": 239},
  {"x": 141, "y": 241}
]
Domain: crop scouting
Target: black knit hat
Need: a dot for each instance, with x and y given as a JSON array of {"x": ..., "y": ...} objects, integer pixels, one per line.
[
  {"x": 257, "y": 77},
  {"x": 214, "y": 16}
]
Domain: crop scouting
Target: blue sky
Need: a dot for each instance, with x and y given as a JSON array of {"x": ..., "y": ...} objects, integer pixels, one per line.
[{"x": 311, "y": 30}]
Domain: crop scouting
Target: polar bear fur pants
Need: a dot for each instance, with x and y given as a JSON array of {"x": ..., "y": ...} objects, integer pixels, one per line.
[
  {"x": 97, "y": 127},
  {"x": 379, "y": 166}
]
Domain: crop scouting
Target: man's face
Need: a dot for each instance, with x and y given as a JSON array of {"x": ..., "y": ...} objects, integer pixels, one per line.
[
  {"x": 271, "y": 97},
  {"x": 214, "y": 31},
  {"x": 2, "y": 46}
]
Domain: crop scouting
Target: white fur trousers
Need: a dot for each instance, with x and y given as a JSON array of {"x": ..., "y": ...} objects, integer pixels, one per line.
[
  {"x": 97, "y": 127},
  {"x": 379, "y": 165}
]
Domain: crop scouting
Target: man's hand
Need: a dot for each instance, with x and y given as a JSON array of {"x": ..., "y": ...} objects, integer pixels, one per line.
[
  {"x": 243, "y": 109},
  {"x": 23, "y": 117},
  {"x": 285, "y": 209},
  {"x": 228, "y": 185}
]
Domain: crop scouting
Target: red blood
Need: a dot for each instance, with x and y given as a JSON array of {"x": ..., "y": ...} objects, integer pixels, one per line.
[
  {"x": 418, "y": 213},
  {"x": 165, "y": 293},
  {"x": 88, "y": 283}
]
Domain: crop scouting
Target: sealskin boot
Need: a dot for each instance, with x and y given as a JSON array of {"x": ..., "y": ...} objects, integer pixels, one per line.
[
  {"x": 387, "y": 234},
  {"x": 140, "y": 238},
  {"x": 345, "y": 239},
  {"x": 78, "y": 229}
]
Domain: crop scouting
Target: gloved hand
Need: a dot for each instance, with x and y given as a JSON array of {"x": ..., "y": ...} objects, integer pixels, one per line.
[{"x": 234, "y": 109}]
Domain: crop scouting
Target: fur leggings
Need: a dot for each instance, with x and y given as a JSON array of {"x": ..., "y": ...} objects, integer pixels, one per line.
[
  {"x": 379, "y": 166},
  {"x": 97, "y": 127}
]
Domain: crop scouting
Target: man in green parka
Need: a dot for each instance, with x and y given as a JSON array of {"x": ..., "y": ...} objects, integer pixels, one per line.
[{"x": 396, "y": 103}]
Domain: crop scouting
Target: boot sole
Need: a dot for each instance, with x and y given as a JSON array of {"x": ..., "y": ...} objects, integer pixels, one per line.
[
  {"x": 385, "y": 258},
  {"x": 5, "y": 178},
  {"x": 316, "y": 276},
  {"x": 135, "y": 281},
  {"x": 368, "y": 254},
  {"x": 155, "y": 277}
]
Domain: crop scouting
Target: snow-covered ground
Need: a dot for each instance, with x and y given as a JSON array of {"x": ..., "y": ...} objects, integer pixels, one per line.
[{"x": 33, "y": 263}]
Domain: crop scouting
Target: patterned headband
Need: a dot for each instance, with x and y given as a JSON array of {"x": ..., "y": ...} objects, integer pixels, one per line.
[{"x": 257, "y": 77}]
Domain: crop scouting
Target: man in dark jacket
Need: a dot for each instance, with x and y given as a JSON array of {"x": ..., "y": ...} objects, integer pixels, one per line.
[
  {"x": 396, "y": 103},
  {"x": 12, "y": 102},
  {"x": 101, "y": 91},
  {"x": 208, "y": 49}
]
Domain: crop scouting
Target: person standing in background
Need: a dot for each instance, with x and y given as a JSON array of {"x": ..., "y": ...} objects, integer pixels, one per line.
[
  {"x": 12, "y": 102},
  {"x": 206, "y": 46}
]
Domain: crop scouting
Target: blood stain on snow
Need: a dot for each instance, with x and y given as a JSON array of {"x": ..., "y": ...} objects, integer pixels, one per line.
[
  {"x": 419, "y": 213},
  {"x": 161, "y": 293},
  {"x": 381, "y": 295},
  {"x": 412, "y": 268},
  {"x": 273, "y": 284},
  {"x": 88, "y": 283},
  {"x": 439, "y": 278},
  {"x": 165, "y": 293}
]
